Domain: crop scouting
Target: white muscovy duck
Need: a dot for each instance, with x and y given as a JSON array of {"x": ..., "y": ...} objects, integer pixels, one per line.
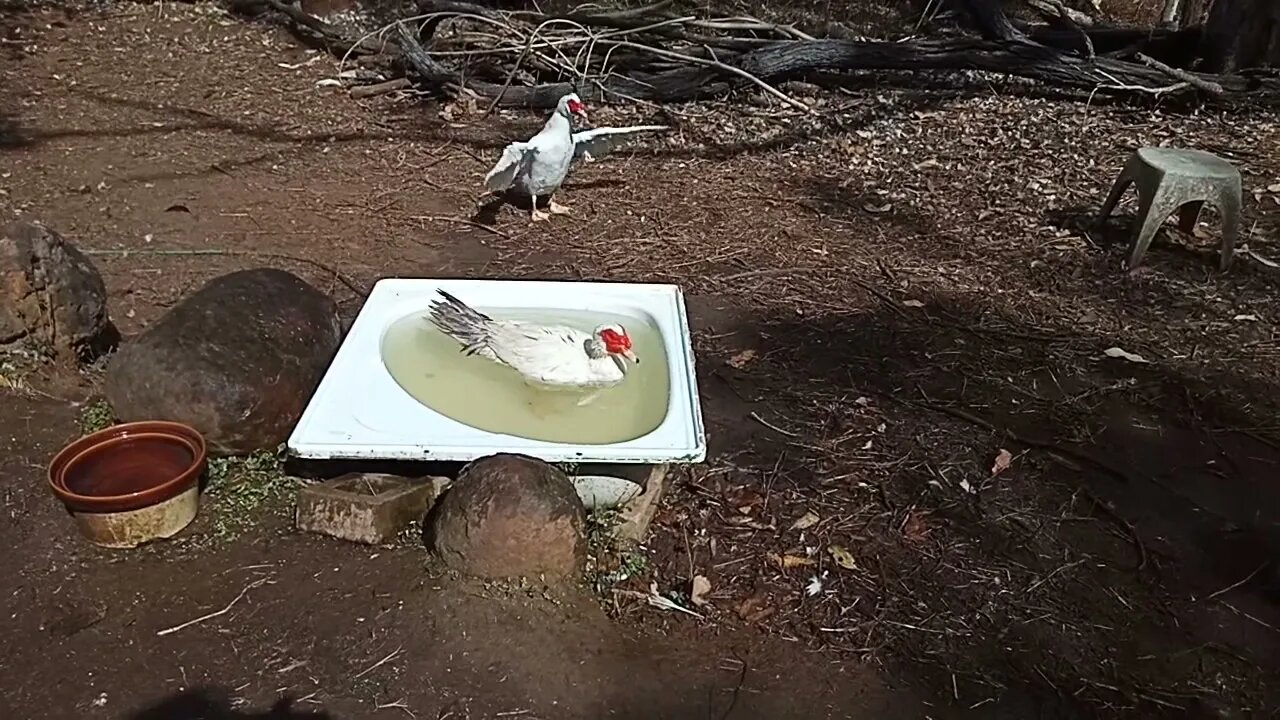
[
  {"x": 539, "y": 165},
  {"x": 549, "y": 356}
]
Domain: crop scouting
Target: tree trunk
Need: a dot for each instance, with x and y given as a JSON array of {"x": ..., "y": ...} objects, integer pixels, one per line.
[
  {"x": 1191, "y": 14},
  {"x": 1242, "y": 34},
  {"x": 989, "y": 18}
]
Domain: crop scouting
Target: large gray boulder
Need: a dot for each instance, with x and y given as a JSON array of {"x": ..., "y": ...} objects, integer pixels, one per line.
[
  {"x": 51, "y": 297},
  {"x": 237, "y": 360}
]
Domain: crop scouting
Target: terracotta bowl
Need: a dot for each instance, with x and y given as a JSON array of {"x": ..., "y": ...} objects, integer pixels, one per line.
[{"x": 128, "y": 467}]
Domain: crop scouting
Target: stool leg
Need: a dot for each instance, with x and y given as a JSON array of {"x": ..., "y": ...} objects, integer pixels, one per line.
[
  {"x": 1154, "y": 207},
  {"x": 1189, "y": 215},
  {"x": 1229, "y": 205},
  {"x": 1122, "y": 183}
]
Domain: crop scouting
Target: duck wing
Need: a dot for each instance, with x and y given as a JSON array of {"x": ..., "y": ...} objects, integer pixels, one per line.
[
  {"x": 514, "y": 161},
  {"x": 548, "y": 354},
  {"x": 597, "y": 142}
]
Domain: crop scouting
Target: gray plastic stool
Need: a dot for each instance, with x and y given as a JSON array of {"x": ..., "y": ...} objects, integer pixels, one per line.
[{"x": 1170, "y": 180}]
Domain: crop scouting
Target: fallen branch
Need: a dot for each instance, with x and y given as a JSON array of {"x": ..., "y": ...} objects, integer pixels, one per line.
[
  {"x": 367, "y": 91},
  {"x": 1238, "y": 583},
  {"x": 1054, "y": 9},
  {"x": 212, "y": 615},
  {"x": 1201, "y": 84},
  {"x": 756, "y": 416},
  {"x": 462, "y": 221},
  {"x": 1070, "y": 20},
  {"x": 391, "y": 656}
]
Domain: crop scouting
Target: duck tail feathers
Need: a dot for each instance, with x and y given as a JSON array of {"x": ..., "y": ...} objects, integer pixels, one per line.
[{"x": 469, "y": 327}]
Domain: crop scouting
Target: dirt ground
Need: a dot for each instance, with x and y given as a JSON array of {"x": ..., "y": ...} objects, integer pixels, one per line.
[{"x": 885, "y": 297}]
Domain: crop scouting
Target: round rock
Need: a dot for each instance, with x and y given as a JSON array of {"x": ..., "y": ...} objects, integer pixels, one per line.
[
  {"x": 51, "y": 296},
  {"x": 237, "y": 360},
  {"x": 511, "y": 516}
]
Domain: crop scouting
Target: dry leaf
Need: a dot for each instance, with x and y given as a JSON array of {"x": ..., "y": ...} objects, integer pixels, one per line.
[
  {"x": 663, "y": 602},
  {"x": 1274, "y": 188},
  {"x": 740, "y": 360},
  {"x": 912, "y": 303},
  {"x": 1249, "y": 318},
  {"x": 749, "y": 522},
  {"x": 806, "y": 521},
  {"x": 1115, "y": 352},
  {"x": 698, "y": 592},
  {"x": 915, "y": 528},
  {"x": 842, "y": 557},
  {"x": 786, "y": 562},
  {"x": 1004, "y": 459},
  {"x": 754, "y": 609},
  {"x": 877, "y": 209}
]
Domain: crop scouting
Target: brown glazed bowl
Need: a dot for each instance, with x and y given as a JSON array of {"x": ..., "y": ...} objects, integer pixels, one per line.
[{"x": 128, "y": 467}]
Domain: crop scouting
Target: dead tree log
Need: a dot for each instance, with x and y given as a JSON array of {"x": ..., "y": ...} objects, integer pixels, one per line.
[
  {"x": 792, "y": 59},
  {"x": 631, "y": 56},
  {"x": 1175, "y": 47},
  {"x": 1009, "y": 58}
]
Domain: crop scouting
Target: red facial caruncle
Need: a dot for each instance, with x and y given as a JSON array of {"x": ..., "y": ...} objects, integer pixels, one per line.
[{"x": 615, "y": 343}]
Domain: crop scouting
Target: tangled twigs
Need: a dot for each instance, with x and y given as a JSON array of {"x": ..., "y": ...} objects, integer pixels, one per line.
[
  {"x": 332, "y": 40},
  {"x": 432, "y": 73},
  {"x": 649, "y": 54},
  {"x": 437, "y": 77}
]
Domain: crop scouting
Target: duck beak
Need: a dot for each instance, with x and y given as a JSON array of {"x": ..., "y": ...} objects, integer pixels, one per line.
[
  {"x": 582, "y": 115},
  {"x": 630, "y": 356}
]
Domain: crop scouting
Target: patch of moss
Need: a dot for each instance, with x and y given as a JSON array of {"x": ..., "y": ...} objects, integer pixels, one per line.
[
  {"x": 242, "y": 489},
  {"x": 609, "y": 560},
  {"x": 96, "y": 416}
]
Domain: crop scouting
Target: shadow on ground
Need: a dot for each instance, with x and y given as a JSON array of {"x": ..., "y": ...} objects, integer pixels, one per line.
[
  {"x": 1126, "y": 551},
  {"x": 183, "y": 118},
  {"x": 214, "y": 704},
  {"x": 11, "y": 133}
]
